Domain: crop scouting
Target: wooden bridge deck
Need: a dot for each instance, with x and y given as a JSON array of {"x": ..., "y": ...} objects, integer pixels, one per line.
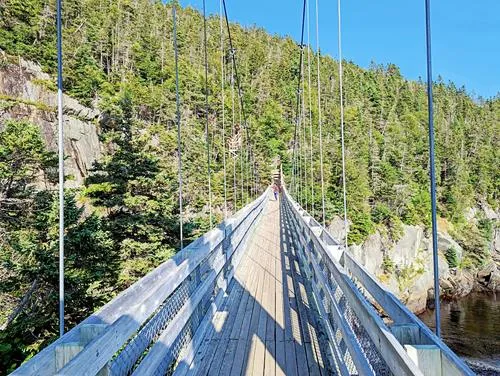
[{"x": 265, "y": 325}]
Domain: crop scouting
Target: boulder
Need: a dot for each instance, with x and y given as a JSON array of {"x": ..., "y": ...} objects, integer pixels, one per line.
[
  {"x": 457, "y": 284},
  {"x": 488, "y": 277}
]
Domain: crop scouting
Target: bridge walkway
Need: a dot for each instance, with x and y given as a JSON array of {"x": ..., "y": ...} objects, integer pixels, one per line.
[{"x": 265, "y": 326}]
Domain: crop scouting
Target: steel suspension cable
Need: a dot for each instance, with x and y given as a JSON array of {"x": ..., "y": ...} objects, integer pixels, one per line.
[
  {"x": 238, "y": 83},
  {"x": 233, "y": 132},
  {"x": 178, "y": 120},
  {"x": 342, "y": 120},
  {"x": 311, "y": 153},
  {"x": 320, "y": 125},
  {"x": 432, "y": 166},
  {"x": 242, "y": 181},
  {"x": 222, "y": 64},
  {"x": 60, "y": 141},
  {"x": 295, "y": 158},
  {"x": 207, "y": 137},
  {"x": 303, "y": 145}
]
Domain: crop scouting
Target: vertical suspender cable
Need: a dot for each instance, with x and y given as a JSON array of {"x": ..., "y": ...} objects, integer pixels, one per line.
[
  {"x": 178, "y": 110},
  {"x": 296, "y": 154},
  {"x": 304, "y": 144},
  {"x": 320, "y": 125},
  {"x": 233, "y": 133},
  {"x": 242, "y": 181},
  {"x": 61, "y": 165},
  {"x": 207, "y": 137},
  {"x": 238, "y": 83},
  {"x": 311, "y": 154},
  {"x": 342, "y": 119},
  {"x": 432, "y": 167},
  {"x": 222, "y": 63}
]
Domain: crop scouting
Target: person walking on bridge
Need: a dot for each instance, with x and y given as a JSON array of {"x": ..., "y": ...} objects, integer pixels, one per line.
[{"x": 276, "y": 191}]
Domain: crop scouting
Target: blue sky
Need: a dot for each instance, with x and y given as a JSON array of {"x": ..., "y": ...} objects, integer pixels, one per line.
[{"x": 466, "y": 34}]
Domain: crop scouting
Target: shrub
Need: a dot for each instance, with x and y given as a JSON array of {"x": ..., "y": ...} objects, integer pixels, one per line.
[{"x": 451, "y": 257}]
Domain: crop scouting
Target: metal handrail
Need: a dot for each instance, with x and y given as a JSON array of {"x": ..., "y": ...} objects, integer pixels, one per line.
[{"x": 340, "y": 282}]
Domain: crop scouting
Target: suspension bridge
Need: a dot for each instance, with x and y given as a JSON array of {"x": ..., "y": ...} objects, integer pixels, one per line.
[{"x": 267, "y": 292}]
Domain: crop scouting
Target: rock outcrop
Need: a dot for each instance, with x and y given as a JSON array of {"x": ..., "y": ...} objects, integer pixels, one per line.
[
  {"x": 25, "y": 94},
  {"x": 405, "y": 267}
]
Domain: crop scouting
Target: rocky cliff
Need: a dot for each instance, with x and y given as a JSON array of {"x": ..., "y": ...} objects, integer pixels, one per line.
[
  {"x": 27, "y": 93},
  {"x": 405, "y": 266}
]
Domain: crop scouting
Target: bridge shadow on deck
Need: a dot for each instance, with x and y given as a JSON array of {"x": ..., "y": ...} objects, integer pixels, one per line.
[{"x": 265, "y": 325}]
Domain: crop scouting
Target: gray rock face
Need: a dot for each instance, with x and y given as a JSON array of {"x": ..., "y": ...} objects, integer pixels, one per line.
[
  {"x": 411, "y": 257},
  {"x": 408, "y": 246},
  {"x": 488, "y": 277},
  {"x": 22, "y": 88},
  {"x": 337, "y": 228},
  {"x": 370, "y": 254},
  {"x": 446, "y": 242}
]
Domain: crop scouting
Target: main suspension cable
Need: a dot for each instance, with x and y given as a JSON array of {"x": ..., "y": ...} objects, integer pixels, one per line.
[
  {"x": 207, "y": 137},
  {"x": 222, "y": 63},
  {"x": 178, "y": 119},
  {"x": 320, "y": 125}
]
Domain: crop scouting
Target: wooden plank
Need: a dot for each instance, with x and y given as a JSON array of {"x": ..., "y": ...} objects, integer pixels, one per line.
[
  {"x": 260, "y": 339},
  {"x": 269, "y": 305},
  {"x": 241, "y": 354},
  {"x": 87, "y": 363},
  {"x": 224, "y": 335},
  {"x": 270, "y": 361},
  {"x": 427, "y": 358},
  {"x": 279, "y": 316},
  {"x": 253, "y": 336},
  {"x": 406, "y": 334},
  {"x": 305, "y": 325},
  {"x": 205, "y": 359},
  {"x": 65, "y": 352}
]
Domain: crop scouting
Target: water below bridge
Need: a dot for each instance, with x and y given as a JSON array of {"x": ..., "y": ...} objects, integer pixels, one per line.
[{"x": 471, "y": 327}]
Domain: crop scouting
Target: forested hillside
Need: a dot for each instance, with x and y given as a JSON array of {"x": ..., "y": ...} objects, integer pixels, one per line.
[{"x": 124, "y": 220}]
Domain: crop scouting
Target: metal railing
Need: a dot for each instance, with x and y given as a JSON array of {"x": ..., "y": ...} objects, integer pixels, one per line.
[
  {"x": 360, "y": 340},
  {"x": 146, "y": 328}
]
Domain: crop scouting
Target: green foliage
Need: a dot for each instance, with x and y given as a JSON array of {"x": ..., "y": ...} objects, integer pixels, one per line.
[
  {"x": 382, "y": 214},
  {"x": 451, "y": 257},
  {"x": 388, "y": 265},
  {"x": 475, "y": 245},
  {"x": 29, "y": 249}
]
